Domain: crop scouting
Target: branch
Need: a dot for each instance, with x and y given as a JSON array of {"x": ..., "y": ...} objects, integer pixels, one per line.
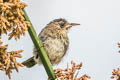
[{"x": 41, "y": 52}]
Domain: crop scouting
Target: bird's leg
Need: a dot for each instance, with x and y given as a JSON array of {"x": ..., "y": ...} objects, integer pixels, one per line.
[
  {"x": 43, "y": 45},
  {"x": 37, "y": 49},
  {"x": 49, "y": 78}
]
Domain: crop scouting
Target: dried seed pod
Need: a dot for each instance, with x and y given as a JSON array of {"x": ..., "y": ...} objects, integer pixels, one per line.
[
  {"x": 4, "y": 47},
  {"x": 15, "y": 63},
  {"x": 1, "y": 1},
  {"x": 10, "y": 36},
  {"x": 8, "y": 58},
  {"x": 17, "y": 55},
  {"x": 70, "y": 73},
  {"x": 8, "y": 64},
  {"x": 116, "y": 73},
  {"x": 19, "y": 51},
  {"x": 21, "y": 65}
]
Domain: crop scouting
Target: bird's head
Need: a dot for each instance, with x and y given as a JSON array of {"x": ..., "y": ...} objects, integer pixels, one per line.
[{"x": 63, "y": 23}]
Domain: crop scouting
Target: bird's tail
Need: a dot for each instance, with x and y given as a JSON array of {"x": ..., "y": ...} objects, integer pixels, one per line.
[{"x": 29, "y": 62}]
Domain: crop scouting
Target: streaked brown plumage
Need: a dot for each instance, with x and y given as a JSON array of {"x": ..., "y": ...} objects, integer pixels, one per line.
[{"x": 55, "y": 39}]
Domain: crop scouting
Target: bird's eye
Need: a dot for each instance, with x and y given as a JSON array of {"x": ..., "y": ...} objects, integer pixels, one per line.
[
  {"x": 62, "y": 24},
  {"x": 67, "y": 28}
]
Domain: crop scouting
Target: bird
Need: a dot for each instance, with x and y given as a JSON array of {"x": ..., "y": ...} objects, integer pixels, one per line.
[{"x": 55, "y": 40}]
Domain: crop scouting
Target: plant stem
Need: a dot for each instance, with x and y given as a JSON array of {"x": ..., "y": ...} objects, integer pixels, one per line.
[{"x": 41, "y": 52}]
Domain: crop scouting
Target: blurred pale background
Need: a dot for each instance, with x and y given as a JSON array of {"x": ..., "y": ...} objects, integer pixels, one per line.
[{"x": 94, "y": 42}]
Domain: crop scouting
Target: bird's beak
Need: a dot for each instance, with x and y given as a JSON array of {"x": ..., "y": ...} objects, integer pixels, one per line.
[
  {"x": 67, "y": 27},
  {"x": 74, "y": 24}
]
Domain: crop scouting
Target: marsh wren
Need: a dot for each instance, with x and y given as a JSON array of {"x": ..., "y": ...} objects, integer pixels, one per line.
[{"x": 56, "y": 42}]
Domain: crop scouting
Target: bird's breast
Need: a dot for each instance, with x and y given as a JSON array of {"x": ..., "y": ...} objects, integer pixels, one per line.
[{"x": 55, "y": 49}]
